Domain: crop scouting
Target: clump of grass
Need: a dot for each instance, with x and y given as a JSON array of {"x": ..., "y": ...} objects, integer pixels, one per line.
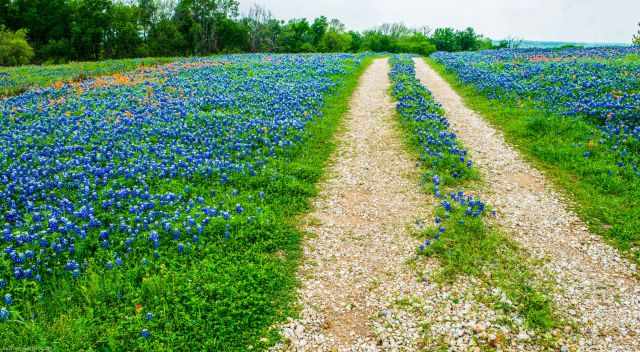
[{"x": 472, "y": 246}]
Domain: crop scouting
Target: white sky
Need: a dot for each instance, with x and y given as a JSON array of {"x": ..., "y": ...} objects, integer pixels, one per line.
[{"x": 548, "y": 20}]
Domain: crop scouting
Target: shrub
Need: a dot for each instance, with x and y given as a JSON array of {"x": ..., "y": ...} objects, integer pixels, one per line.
[
  {"x": 416, "y": 44},
  {"x": 55, "y": 52},
  {"x": 14, "y": 48}
]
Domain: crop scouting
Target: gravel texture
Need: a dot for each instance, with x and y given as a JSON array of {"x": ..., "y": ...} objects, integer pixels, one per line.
[
  {"x": 597, "y": 287},
  {"x": 358, "y": 291}
]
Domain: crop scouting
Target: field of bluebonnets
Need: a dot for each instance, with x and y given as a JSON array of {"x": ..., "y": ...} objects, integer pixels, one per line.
[
  {"x": 576, "y": 112},
  {"x": 18, "y": 79},
  {"x": 148, "y": 210}
]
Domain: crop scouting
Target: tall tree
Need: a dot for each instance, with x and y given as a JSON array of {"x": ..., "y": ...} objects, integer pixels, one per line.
[
  {"x": 165, "y": 39},
  {"x": 263, "y": 29},
  {"x": 45, "y": 19},
  {"x": 207, "y": 15},
  {"x": 318, "y": 29},
  {"x": 147, "y": 10},
  {"x": 91, "y": 21},
  {"x": 445, "y": 39},
  {"x": 5, "y": 12},
  {"x": 122, "y": 38},
  {"x": 296, "y": 36},
  {"x": 636, "y": 37}
]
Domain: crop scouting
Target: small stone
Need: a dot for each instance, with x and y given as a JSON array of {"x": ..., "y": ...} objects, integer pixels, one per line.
[{"x": 478, "y": 328}]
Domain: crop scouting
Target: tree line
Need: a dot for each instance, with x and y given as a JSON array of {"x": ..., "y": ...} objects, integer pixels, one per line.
[{"x": 63, "y": 30}]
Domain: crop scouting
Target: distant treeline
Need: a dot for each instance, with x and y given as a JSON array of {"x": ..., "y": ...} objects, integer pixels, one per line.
[{"x": 64, "y": 30}]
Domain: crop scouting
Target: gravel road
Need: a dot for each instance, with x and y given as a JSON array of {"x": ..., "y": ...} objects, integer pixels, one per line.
[{"x": 358, "y": 292}]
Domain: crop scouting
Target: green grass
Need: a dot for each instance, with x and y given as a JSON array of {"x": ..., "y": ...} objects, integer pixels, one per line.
[
  {"x": 606, "y": 197},
  {"x": 18, "y": 79},
  {"x": 472, "y": 246},
  {"x": 226, "y": 296}
]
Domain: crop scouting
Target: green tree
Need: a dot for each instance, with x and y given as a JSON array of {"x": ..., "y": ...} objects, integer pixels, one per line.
[
  {"x": 263, "y": 30},
  {"x": 147, "y": 10},
  {"x": 356, "y": 41},
  {"x": 91, "y": 22},
  {"x": 416, "y": 43},
  {"x": 5, "y": 12},
  {"x": 636, "y": 37},
  {"x": 45, "y": 20},
  {"x": 165, "y": 39},
  {"x": 122, "y": 38},
  {"x": 207, "y": 15},
  {"x": 296, "y": 36},
  {"x": 449, "y": 39},
  {"x": 187, "y": 26},
  {"x": 375, "y": 40},
  {"x": 445, "y": 39},
  {"x": 318, "y": 29},
  {"x": 334, "y": 38},
  {"x": 14, "y": 48},
  {"x": 233, "y": 36}
]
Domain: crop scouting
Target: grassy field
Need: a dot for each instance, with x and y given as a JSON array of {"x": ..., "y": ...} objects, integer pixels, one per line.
[
  {"x": 219, "y": 284},
  {"x": 15, "y": 80},
  {"x": 591, "y": 158}
]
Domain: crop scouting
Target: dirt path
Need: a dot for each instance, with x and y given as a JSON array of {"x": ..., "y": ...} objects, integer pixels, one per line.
[
  {"x": 358, "y": 244},
  {"x": 358, "y": 292},
  {"x": 597, "y": 286}
]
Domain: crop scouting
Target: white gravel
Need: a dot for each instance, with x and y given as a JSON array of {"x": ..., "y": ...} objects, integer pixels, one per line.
[
  {"x": 598, "y": 288},
  {"x": 358, "y": 292}
]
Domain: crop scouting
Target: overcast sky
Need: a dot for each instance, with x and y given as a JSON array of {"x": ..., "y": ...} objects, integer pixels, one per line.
[{"x": 548, "y": 20}]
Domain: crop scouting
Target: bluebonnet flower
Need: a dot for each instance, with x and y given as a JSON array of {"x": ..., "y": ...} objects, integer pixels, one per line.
[
  {"x": 145, "y": 333},
  {"x": 8, "y": 300},
  {"x": 4, "y": 314}
]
